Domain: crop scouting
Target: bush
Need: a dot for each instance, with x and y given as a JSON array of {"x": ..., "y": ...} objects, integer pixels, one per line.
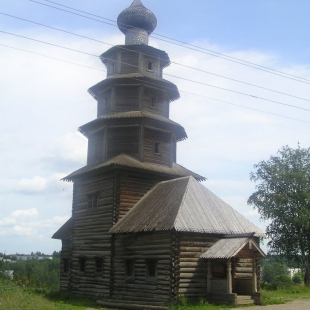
[{"x": 298, "y": 278}]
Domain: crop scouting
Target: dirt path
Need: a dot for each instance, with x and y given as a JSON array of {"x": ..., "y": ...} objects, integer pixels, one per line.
[{"x": 298, "y": 304}]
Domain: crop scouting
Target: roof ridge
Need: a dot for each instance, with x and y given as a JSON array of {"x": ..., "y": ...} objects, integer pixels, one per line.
[{"x": 183, "y": 198}]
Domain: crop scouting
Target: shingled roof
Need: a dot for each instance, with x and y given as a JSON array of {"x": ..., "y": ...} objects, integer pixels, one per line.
[
  {"x": 124, "y": 160},
  {"x": 184, "y": 204}
]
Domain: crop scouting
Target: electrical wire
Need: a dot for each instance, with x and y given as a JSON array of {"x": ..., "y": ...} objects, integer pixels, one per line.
[
  {"x": 193, "y": 47},
  {"x": 189, "y": 80},
  {"x": 149, "y": 83},
  {"x": 124, "y": 48}
]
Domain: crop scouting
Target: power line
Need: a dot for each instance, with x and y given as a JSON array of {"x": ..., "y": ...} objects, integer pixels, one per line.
[
  {"x": 200, "y": 70},
  {"x": 222, "y": 88},
  {"x": 193, "y": 47},
  {"x": 186, "y": 92}
]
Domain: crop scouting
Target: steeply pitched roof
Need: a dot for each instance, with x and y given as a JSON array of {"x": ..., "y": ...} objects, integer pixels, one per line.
[
  {"x": 184, "y": 205},
  {"x": 64, "y": 231},
  {"x": 124, "y": 160},
  {"x": 230, "y": 247}
]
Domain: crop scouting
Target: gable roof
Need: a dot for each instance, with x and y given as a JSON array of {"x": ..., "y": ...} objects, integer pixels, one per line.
[
  {"x": 64, "y": 231},
  {"x": 124, "y": 160},
  {"x": 230, "y": 247},
  {"x": 184, "y": 204}
]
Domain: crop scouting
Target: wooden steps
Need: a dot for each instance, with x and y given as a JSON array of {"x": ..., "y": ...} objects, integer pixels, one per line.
[{"x": 244, "y": 300}]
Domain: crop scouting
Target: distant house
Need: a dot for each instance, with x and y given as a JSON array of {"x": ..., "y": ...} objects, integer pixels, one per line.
[
  {"x": 144, "y": 231},
  {"x": 25, "y": 257}
]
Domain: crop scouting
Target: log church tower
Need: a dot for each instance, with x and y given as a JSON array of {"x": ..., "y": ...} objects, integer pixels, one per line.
[
  {"x": 131, "y": 147},
  {"x": 143, "y": 230}
]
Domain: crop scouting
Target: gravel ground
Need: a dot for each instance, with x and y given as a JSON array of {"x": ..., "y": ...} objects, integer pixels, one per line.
[{"x": 298, "y": 304}]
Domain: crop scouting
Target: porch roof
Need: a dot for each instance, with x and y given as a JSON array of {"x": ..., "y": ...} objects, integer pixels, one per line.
[{"x": 230, "y": 247}]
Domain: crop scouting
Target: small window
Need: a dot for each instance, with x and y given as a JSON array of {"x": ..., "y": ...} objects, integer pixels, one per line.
[
  {"x": 151, "y": 269},
  {"x": 92, "y": 201},
  {"x": 156, "y": 148},
  {"x": 82, "y": 264},
  {"x": 99, "y": 265},
  {"x": 150, "y": 66},
  {"x": 65, "y": 265},
  {"x": 112, "y": 67},
  {"x": 105, "y": 102},
  {"x": 129, "y": 269},
  {"x": 153, "y": 101}
]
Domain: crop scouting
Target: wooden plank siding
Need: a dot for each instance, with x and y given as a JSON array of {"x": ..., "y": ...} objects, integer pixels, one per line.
[
  {"x": 193, "y": 270},
  {"x": 133, "y": 187},
  {"x": 140, "y": 247},
  {"x": 160, "y": 105},
  {"x": 95, "y": 148},
  {"x": 126, "y": 98},
  {"x": 129, "y": 62},
  {"x": 90, "y": 237},
  {"x": 104, "y": 102},
  {"x": 123, "y": 140},
  {"x": 164, "y": 139}
]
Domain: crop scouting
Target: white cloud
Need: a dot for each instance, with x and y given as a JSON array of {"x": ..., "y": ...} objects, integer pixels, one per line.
[
  {"x": 28, "y": 213},
  {"x": 33, "y": 185}
]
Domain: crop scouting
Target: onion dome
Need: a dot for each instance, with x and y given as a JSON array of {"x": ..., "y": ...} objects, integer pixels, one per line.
[{"x": 137, "y": 23}]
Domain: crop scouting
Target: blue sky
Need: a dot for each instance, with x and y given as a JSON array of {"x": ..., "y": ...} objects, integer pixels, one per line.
[{"x": 44, "y": 101}]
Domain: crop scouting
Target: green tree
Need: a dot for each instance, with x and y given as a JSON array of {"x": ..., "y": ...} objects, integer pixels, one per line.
[
  {"x": 272, "y": 270},
  {"x": 283, "y": 198}
]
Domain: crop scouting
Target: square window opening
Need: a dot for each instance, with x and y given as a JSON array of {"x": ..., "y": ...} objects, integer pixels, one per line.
[
  {"x": 151, "y": 269},
  {"x": 65, "y": 265},
  {"x": 82, "y": 264},
  {"x": 153, "y": 102},
  {"x": 92, "y": 201},
  {"x": 150, "y": 66},
  {"x": 129, "y": 269},
  {"x": 156, "y": 148},
  {"x": 99, "y": 265}
]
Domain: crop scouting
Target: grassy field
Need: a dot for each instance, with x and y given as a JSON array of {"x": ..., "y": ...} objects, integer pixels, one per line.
[{"x": 13, "y": 297}]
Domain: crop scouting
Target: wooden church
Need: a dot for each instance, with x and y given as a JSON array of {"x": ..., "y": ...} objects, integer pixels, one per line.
[{"x": 143, "y": 230}]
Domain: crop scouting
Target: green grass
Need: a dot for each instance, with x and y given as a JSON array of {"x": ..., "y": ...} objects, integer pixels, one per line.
[
  {"x": 13, "y": 297},
  {"x": 282, "y": 296}
]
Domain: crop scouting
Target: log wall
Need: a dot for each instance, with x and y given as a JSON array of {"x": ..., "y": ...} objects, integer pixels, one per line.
[
  {"x": 164, "y": 139},
  {"x": 243, "y": 274},
  {"x": 141, "y": 247},
  {"x": 126, "y": 98},
  {"x": 123, "y": 140},
  {"x": 161, "y": 101},
  {"x": 95, "y": 148},
  {"x": 90, "y": 237},
  {"x": 193, "y": 270},
  {"x": 129, "y": 62},
  {"x": 133, "y": 186}
]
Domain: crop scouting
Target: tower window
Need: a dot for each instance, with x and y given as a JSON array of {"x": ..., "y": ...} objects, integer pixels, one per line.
[
  {"x": 151, "y": 269},
  {"x": 129, "y": 269},
  {"x": 153, "y": 101},
  {"x": 65, "y": 265},
  {"x": 92, "y": 201},
  {"x": 156, "y": 148},
  {"x": 99, "y": 265},
  {"x": 112, "y": 67},
  {"x": 82, "y": 264},
  {"x": 150, "y": 66},
  {"x": 105, "y": 102}
]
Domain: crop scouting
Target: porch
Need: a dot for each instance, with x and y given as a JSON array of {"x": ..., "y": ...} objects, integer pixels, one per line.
[{"x": 233, "y": 271}]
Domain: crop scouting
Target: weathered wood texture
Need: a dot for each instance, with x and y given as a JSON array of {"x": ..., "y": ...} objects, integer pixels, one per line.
[
  {"x": 193, "y": 269},
  {"x": 129, "y": 62},
  {"x": 126, "y": 98},
  {"x": 123, "y": 140},
  {"x": 222, "y": 298},
  {"x": 242, "y": 276},
  {"x": 95, "y": 148},
  {"x": 164, "y": 139},
  {"x": 90, "y": 237},
  {"x": 140, "y": 247},
  {"x": 104, "y": 102},
  {"x": 133, "y": 186},
  {"x": 160, "y": 104}
]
